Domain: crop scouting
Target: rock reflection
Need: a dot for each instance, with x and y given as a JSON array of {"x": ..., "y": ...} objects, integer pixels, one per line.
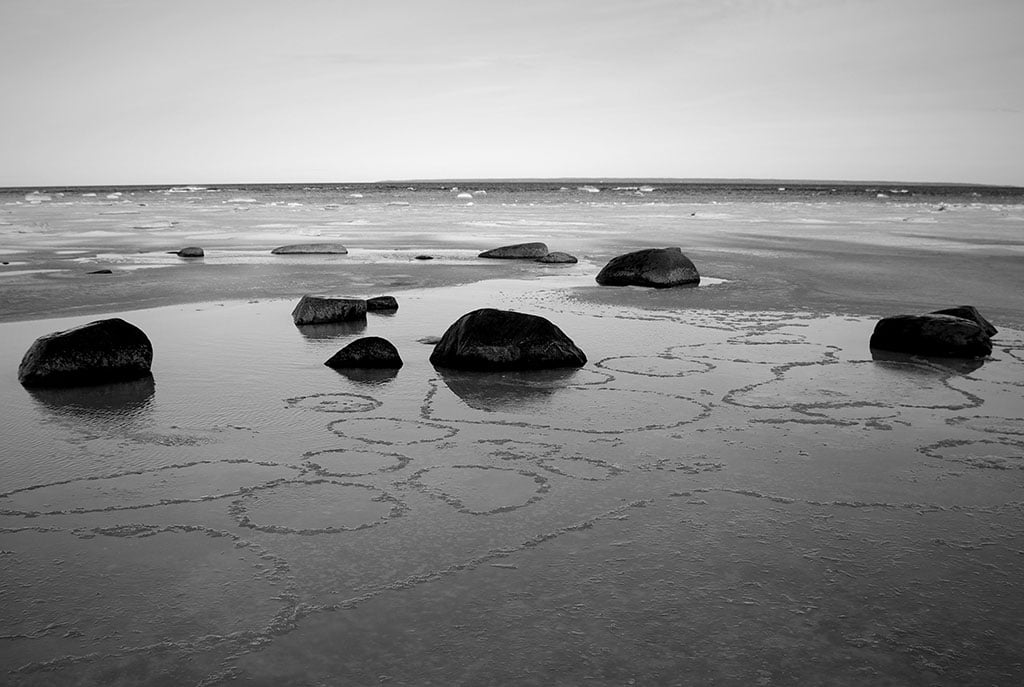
[
  {"x": 505, "y": 391},
  {"x": 962, "y": 366},
  {"x": 332, "y": 330},
  {"x": 368, "y": 376},
  {"x": 122, "y": 400}
]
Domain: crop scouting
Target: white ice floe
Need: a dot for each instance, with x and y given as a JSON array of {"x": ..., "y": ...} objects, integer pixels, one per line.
[
  {"x": 464, "y": 195},
  {"x": 588, "y": 189},
  {"x": 114, "y": 196},
  {"x": 241, "y": 200},
  {"x": 355, "y": 195},
  {"x": 37, "y": 197}
]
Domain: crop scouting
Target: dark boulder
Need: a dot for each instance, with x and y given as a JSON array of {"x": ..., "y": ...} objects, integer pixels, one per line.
[
  {"x": 424, "y": 257},
  {"x": 969, "y": 312},
  {"x": 941, "y": 336},
  {"x": 557, "y": 258},
  {"x": 490, "y": 339},
  {"x": 320, "y": 309},
  {"x": 191, "y": 252},
  {"x": 101, "y": 272},
  {"x": 655, "y": 267},
  {"x": 519, "y": 251},
  {"x": 368, "y": 352},
  {"x": 96, "y": 353},
  {"x": 381, "y": 304},
  {"x": 311, "y": 249}
]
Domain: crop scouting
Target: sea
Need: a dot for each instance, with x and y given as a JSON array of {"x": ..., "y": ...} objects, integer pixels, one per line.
[{"x": 734, "y": 490}]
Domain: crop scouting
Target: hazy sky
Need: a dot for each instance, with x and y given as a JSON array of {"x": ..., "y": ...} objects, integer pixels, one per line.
[{"x": 216, "y": 91}]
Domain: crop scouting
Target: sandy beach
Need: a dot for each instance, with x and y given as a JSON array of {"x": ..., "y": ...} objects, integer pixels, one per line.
[{"x": 734, "y": 490}]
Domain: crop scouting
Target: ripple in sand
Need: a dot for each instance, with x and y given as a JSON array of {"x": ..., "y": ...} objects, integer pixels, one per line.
[
  {"x": 335, "y": 403},
  {"x": 983, "y": 453},
  {"x": 578, "y": 467},
  {"x": 991, "y": 424},
  {"x": 389, "y": 431},
  {"x": 655, "y": 366},
  {"x": 316, "y": 507},
  {"x": 481, "y": 489},
  {"x": 138, "y": 587},
  {"x": 854, "y": 384},
  {"x": 346, "y": 462},
  {"x": 742, "y": 351},
  {"x": 176, "y": 484}
]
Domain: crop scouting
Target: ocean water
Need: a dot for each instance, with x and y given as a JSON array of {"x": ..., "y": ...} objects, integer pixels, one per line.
[{"x": 734, "y": 490}]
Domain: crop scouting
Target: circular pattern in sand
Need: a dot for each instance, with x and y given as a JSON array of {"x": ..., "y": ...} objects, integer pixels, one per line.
[
  {"x": 316, "y": 507},
  {"x": 655, "y": 366},
  {"x": 481, "y": 489},
  {"x": 990, "y": 424},
  {"x": 985, "y": 454},
  {"x": 348, "y": 462},
  {"x": 389, "y": 431},
  {"x": 578, "y": 467},
  {"x": 335, "y": 403}
]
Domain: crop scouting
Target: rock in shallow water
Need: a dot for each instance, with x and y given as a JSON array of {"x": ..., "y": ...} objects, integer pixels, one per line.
[
  {"x": 969, "y": 312},
  {"x": 490, "y": 339},
  {"x": 191, "y": 252},
  {"x": 100, "y": 352},
  {"x": 654, "y": 267},
  {"x": 381, "y": 304},
  {"x": 311, "y": 248},
  {"x": 941, "y": 336},
  {"x": 518, "y": 251},
  {"x": 557, "y": 258},
  {"x": 368, "y": 352},
  {"x": 320, "y": 309}
]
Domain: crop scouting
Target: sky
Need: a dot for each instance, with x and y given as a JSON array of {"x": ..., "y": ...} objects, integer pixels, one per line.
[{"x": 106, "y": 92}]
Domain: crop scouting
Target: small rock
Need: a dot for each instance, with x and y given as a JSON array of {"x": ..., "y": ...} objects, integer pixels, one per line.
[
  {"x": 191, "y": 252},
  {"x": 368, "y": 352},
  {"x": 320, "y": 309},
  {"x": 101, "y": 272},
  {"x": 654, "y": 267},
  {"x": 519, "y": 251},
  {"x": 558, "y": 258},
  {"x": 311, "y": 248},
  {"x": 941, "y": 336},
  {"x": 490, "y": 339},
  {"x": 424, "y": 257},
  {"x": 381, "y": 303},
  {"x": 100, "y": 352}
]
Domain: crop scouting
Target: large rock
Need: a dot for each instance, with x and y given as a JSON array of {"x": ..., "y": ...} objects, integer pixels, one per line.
[
  {"x": 519, "y": 251},
  {"x": 490, "y": 339},
  {"x": 941, "y": 336},
  {"x": 969, "y": 312},
  {"x": 311, "y": 248},
  {"x": 381, "y": 304},
  {"x": 557, "y": 258},
  {"x": 321, "y": 309},
  {"x": 96, "y": 353},
  {"x": 191, "y": 252},
  {"x": 368, "y": 352},
  {"x": 655, "y": 267}
]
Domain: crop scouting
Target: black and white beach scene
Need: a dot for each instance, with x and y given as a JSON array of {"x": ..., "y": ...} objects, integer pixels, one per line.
[{"x": 539, "y": 343}]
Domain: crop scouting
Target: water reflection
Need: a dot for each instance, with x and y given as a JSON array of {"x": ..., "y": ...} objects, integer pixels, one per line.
[
  {"x": 506, "y": 391},
  {"x": 368, "y": 376},
  {"x": 121, "y": 400},
  {"x": 331, "y": 330},
  {"x": 961, "y": 366}
]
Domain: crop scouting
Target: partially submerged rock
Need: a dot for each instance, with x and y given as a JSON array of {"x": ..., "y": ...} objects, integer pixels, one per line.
[
  {"x": 320, "y": 309},
  {"x": 368, "y": 352},
  {"x": 191, "y": 252},
  {"x": 311, "y": 249},
  {"x": 557, "y": 258},
  {"x": 381, "y": 304},
  {"x": 969, "y": 312},
  {"x": 96, "y": 353},
  {"x": 424, "y": 257},
  {"x": 490, "y": 339},
  {"x": 519, "y": 251},
  {"x": 941, "y": 336},
  {"x": 654, "y": 267}
]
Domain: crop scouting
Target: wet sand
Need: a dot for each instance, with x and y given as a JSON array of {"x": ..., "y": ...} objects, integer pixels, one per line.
[{"x": 732, "y": 491}]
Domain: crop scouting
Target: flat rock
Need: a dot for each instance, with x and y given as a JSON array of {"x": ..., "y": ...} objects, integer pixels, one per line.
[
  {"x": 311, "y": 248},
  {"x": 322, "y": 309},
  {"x": 557, "y": 258},
  {"x": 191, "y": 252},
  {"x": 381, "y": 304},
  {"x": 424, "y": 257},
  {"x": 519, "y": 251},
  {"x": 654, "y": 267},
  {"x": 941, "y": 336},
  {"x": 100, "y": 352},
  {"x": 101, "y": 272},
  {"x": 490, "y": 339},
  {"x": 969, "y": 312},
  {"x": 367, "y": 352}
]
